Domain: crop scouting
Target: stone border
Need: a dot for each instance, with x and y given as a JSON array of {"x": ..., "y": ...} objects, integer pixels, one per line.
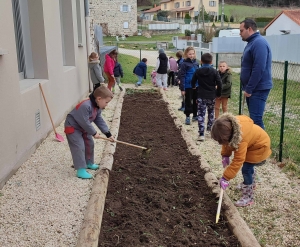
[{"x": 91, "y": 225}]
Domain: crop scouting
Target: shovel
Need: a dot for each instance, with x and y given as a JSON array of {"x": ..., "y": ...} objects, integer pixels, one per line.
[
  {"x": 57, "y": 136},
  {"x": 219, "y": 205}
]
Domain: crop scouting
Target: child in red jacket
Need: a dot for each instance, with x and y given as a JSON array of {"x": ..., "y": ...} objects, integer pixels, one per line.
[{"x": 109, "y": 65}]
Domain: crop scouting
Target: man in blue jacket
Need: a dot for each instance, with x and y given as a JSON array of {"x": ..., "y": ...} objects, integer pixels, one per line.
[{"x": 256, "y": 72}]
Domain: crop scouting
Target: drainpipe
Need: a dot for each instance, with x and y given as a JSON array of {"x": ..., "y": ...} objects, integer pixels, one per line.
[{"x": 87, "y": 35}]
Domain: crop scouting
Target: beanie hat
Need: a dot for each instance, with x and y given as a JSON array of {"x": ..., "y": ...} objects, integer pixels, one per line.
[{"x": 161, "y": 50}]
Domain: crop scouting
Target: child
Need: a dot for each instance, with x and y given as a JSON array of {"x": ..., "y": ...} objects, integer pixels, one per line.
[
  {"x": 118, "y": 74},
  {"x": 185, "y": 74},
  {"x": 173, "y": 70},
  {"x": 225, "y": 74},
  {"x": 80, "y": 131},
  {"x": 109, "y": 65},
  {"x": 162, "y": 67},
  {"x": 95, "y": 70},
  {"x": 179, "y": 61},
  {"x": 140, "y": 70},
  {"x": 153, "y": 78},
  {"x": 250, "y": 146},
  {"x": 208, "y": 80}
]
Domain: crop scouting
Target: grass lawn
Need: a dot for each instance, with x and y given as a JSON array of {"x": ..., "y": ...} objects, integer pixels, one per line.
[{"x": 154, "y": 38}]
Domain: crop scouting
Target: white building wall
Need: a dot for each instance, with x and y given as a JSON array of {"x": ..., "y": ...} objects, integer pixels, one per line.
[
  {"x": 64, "y": 86},
  {"x": 282, "y": 23}
]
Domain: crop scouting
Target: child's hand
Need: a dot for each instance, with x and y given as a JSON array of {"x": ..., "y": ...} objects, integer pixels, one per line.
[
  {"x": 97, "y": 136},
  {"x": 112, "y": 139}
]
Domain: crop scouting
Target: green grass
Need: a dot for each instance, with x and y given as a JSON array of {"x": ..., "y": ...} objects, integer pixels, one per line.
[
  {"x": 272, "y": 120},
  {"x": 240, "y": 12},
  {"x": 128, "y": 63},
  {"x": 154, "y": 38}
]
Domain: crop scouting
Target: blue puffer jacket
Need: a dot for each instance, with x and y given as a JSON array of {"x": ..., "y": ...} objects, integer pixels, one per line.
[
  {"x": 256, "y": 71},
  {"x": 140, "y": 69},
  {"x": 186, "y": 72}
]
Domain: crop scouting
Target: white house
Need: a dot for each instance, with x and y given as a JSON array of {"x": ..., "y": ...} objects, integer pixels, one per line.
[
  {"x": 286, "y": 22},
  {"x": 148, "y": 14}
]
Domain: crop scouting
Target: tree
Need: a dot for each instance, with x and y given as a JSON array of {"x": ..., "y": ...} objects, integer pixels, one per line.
[
  {"x": 187, "y": 18},
  {"x": 162, "y": 15}
]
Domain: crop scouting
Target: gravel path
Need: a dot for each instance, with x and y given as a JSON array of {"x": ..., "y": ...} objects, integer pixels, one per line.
[{"x": 43, "y": 204}]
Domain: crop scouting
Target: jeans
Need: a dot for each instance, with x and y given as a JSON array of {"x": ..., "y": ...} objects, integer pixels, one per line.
[
  {"x": 256, "y": 106},
  {"x": 247, "y": 171},
  {"x": 140, "y": 79}
]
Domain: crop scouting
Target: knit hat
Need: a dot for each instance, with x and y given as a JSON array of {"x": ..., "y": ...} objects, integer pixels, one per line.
[{"x": 161, "y": 50}]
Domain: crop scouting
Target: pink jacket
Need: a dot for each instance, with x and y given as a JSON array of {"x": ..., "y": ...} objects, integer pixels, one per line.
[
  {"x": 109, "y": 65},
  {"x": 173, "y": 64}
]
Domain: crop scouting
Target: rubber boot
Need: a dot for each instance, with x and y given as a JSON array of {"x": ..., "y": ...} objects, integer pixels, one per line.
[
  {"x": 247, "y": 198},
  {"x": 92, "y": 166},
  {"x": 82, "y": 173}
]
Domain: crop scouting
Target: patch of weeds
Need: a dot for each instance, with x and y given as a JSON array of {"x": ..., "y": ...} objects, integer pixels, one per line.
[
  {"x": 1, "y": 194},
  {"x": 291, "y": 168},
  {"x": 112, "y": 214},
  {"x": 127, "y": 178}
]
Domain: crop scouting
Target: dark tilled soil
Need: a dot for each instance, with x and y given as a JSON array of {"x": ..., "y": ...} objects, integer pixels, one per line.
[{"x": 158, "y": 198}]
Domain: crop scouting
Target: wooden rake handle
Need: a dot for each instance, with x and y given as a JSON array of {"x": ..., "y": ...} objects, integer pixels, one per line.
[{"x": 126, "y": 143}]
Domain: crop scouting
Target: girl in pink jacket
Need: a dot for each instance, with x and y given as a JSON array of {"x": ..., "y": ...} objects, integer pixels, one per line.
[{"x": 109, "y": 65}]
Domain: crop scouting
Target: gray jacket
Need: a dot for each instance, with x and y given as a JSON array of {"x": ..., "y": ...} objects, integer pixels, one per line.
[{"x": 96, "y": 72}]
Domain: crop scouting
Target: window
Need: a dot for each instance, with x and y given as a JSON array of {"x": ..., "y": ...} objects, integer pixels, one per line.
[
  {"x": 125, "y": 24},
  {"x": 212, "y": 3},
  {"x": 165, "y": 6},
  {"x": 182, "y": 4},
  {"x": 188, "y": 3},
  {"x": 124, "y": 8},
  {"x": 177, "y": 5},
  {"x": 79, "y": 23}
]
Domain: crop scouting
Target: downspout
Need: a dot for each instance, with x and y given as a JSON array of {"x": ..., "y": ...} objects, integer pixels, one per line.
[{"x": 87, "y": 35}]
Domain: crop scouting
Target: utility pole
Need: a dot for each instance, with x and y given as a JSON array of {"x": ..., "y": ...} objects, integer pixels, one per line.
[
  {"x": 222, "y": 15},
  {"x": 198, "y": 17},
  {"x": 202, "y": 9}
]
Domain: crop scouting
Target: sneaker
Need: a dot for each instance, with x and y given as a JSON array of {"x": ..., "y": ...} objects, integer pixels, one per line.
[
  {"x": 201, "y": 138},
  {"x": 195, "y": 118},
  {"x": 188, "y": 121},
  {"x": 113, "y": 90},
  {"x": 181, "y": 109},
  {"x": 136, "y": 85},
  {"x": 165, "y": 89}
]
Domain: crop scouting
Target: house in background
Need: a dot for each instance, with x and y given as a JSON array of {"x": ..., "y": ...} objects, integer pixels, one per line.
[
  {"x": 286, "y": 22},
  {"x": 179, "y": 8},
  {"x": 149, "y": 14},
  {"x": 40, "y": 42},
  {"x": 118, "y": 17}
]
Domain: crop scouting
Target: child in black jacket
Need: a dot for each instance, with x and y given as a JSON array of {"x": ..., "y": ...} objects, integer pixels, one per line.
[
  {"x": 118, "y": 74},
  {"x": 209, "y": 86}
]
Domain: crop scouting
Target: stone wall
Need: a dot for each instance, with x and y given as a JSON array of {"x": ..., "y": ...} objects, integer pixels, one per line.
[{"x": 111, "y": 16}]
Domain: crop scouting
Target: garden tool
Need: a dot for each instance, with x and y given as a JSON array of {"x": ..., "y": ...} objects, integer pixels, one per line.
[
  {"x": 145, "y": 150},
  {"x": 57, "y": 136},
  {"x": 219, "y": 205}
]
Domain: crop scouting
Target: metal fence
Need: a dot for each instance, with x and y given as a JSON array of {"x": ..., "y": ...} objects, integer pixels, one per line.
[{"x": 281, "y": 118}]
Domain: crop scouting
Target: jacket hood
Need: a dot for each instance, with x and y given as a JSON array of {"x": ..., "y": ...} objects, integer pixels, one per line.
[
  {"x": 163, "y": 56},
  {"x": 93, "y": 100},
  {"x": 93, "y": 63},
  {"x": 237, "y": 132},
  {"x": 206, "y": 71}
]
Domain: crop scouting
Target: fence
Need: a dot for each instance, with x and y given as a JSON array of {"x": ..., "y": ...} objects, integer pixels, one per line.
[{"x": 281, "y": 117}]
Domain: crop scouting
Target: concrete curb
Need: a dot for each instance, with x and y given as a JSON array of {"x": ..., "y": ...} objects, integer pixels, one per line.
[{"x": 91, "y": 225}]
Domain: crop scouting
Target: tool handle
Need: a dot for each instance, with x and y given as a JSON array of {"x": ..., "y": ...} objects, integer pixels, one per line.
[
  {"x": 126, "y": 143},
  {"x": 40, "y": 85},
  {"x": 219, "y": 205}
]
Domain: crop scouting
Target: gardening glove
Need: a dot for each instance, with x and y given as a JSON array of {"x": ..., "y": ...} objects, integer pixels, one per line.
[
  {"x": 225, "y": 161},
  {"x": 224, "y": 183}
]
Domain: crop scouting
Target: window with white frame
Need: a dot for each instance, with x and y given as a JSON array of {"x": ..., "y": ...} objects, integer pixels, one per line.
[
  {"x": 79, "y": 23},
  {"x": 212, "y": 3},
  {"x": 125, "y": 8},
  {"x": 188, "y": 3},
  {"x": 125, "y": 25},
  {"x": 165, "y": 6},
  {"x": 177, "y": 5},
  {"x": 182, "y": 4}
]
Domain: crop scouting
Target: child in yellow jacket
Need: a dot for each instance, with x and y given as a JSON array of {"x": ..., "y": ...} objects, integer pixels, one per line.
[{"x": 250, "y": 146}]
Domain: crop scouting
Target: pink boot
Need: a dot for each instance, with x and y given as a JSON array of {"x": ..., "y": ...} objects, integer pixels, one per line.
[{"x": 247, "y": 198}]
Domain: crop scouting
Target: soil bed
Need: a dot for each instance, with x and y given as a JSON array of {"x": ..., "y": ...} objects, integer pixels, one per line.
[{"x": 160, "y": 199}]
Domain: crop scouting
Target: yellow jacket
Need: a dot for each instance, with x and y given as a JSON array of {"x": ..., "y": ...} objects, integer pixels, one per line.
[{"x": 249, "y": 143}]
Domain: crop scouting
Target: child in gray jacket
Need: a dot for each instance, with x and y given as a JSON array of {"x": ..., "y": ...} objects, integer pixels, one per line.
[
  {"x": 80, "y": 131},
  {"x": 95, "y": 70}
]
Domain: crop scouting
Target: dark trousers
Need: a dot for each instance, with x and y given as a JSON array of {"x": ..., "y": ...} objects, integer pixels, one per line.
[
  {"x": 171, "y": 77},
  {"x": 190, "y": 102},
  {"x": 96, "y": 86}
]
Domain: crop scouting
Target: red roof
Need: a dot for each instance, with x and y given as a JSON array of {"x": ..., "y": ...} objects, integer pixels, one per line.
[
  {"x": 182, "y": 9},
  {"x": 293, "y": 14},
  {"x": 153, "y": 10}
]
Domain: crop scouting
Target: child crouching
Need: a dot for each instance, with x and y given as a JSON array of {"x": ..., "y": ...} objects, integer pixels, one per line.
[{"x": 80, "y": 131}]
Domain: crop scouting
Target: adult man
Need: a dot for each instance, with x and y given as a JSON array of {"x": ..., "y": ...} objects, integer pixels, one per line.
[{"x": 256, "y": 73}]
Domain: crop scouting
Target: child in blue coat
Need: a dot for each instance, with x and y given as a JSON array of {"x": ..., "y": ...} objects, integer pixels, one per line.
[{"x": 140, "y": 70}]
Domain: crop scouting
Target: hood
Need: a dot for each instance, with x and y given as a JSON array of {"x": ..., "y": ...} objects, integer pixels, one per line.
[
  {"x": 93, "y": 63},
  {"x": 206, "y": 71},
  {"x": 92, "y": 99},
  {"x": 163, "y": 56}
]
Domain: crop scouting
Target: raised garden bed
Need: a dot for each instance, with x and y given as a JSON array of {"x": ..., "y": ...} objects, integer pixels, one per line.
[{"x": 160, "y": 198}]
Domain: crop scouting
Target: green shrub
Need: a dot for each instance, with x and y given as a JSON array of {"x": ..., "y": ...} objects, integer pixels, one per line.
[
  {"x": 187, "y": 18},
  {"x": 187, "y": 32}
]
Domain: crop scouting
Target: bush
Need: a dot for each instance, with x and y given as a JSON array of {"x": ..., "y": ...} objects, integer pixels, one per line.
[
  {"x": 187, "y": 18},
  {"x": 187, "y": 32},
  {"x": 231, "y": 19}
]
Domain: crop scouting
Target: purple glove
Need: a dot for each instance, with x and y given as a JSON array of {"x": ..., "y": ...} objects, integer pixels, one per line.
[
  {"x": 224, "y": 183},
  {"x": 225, "y": 161}
]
